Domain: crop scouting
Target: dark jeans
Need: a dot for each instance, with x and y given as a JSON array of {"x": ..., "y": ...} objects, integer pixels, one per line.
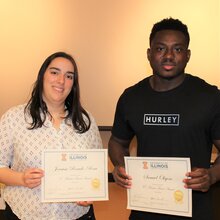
[
  {"x": 89, "y": 215},
  {"x": 9, "y": 215}
]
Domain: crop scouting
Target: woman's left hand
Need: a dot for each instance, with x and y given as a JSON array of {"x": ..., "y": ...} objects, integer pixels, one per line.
[{"x": 198, "y": 179}]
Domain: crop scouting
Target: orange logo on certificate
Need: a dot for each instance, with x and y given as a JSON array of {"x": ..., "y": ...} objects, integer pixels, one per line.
[
  {"x": 145, "y": 165},
  {"x": 63, "y": 157}
]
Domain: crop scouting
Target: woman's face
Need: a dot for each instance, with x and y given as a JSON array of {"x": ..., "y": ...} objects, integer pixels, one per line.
[{"x": 58, "y": 81}]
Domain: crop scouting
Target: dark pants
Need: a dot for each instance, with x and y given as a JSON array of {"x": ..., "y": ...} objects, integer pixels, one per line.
[
  {"x": 9, "y": 215},
  {"x": 89, "y": 215}
]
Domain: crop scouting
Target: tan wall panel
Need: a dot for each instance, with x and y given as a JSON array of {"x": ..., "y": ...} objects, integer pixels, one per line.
[{"x": 109, "y": 40}]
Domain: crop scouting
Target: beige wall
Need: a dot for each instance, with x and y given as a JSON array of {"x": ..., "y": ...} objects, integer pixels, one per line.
[{"x": 108, "y": 38}]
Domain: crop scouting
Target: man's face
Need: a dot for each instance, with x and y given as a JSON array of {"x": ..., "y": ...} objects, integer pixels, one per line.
[{"x": 168, "y": 54}]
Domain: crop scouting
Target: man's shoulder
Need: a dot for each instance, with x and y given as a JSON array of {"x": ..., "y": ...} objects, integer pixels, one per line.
[
  {"x": 198, "y": 82},
  {"x": 138, "y": 86}
]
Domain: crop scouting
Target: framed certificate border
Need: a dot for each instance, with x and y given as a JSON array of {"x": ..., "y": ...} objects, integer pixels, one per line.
[
  {"x": 74, "y": 175},
  {"x": 157, "y": 185}
]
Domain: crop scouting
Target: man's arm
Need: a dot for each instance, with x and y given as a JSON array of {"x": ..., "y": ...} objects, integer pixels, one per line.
[
  {"x": 201, "y": 179},
  {"x": 215, "y": 169},
  {"x": 119, "y": 148}
]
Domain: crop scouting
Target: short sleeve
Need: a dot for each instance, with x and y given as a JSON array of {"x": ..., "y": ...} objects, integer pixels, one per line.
[
  {"x": 6, "y": 140},
  {"x": 121, "y": 128},
  {"x": 215, "y": 127}
]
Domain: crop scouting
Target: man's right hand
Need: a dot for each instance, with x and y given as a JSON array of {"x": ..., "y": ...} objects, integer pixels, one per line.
[{"x": 121, "y": 178}]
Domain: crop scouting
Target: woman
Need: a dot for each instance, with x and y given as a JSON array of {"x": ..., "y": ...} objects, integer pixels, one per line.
[{"x": 52, "y": 119}]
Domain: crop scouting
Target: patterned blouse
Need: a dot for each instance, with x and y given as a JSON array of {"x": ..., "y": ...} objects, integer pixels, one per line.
[{"x": 20, "y": 148}]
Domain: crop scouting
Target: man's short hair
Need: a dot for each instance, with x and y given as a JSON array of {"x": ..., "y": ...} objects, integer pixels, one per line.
[{"x": 170, "y": 24}]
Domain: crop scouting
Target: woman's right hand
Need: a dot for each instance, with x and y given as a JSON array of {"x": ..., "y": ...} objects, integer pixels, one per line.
[
  {"x": 32, "y": 177},
  {"x": 121, "y": 178}
]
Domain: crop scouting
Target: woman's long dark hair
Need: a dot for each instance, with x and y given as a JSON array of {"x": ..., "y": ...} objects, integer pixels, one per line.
[{"x": 37, "y": 108}]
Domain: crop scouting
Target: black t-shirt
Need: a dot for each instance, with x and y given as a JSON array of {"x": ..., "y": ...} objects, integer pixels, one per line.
[{"x": 182, "y": 122}]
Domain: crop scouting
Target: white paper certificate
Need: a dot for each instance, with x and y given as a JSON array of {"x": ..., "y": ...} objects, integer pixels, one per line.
[
  {"x": 71, "y": 175},
  {"x": 157, "y": 185}
]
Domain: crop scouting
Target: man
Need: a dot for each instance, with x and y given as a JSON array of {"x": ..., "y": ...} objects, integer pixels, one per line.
[{"x": 191, "y": 132}]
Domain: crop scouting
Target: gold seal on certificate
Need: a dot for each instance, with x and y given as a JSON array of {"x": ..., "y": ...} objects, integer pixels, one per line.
[
  {"x": 157, "y": 185},
  {"x": 96, "y": 183},
  {"x": 74, "y": 175},
  {"x": 178, "y": 196}
]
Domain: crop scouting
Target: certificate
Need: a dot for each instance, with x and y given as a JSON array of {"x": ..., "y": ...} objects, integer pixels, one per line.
[
  {"x": 157, "y": 185},
  {"x": 74, "y": 175}
]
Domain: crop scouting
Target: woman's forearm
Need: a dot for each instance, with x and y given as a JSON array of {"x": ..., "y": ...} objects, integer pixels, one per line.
[{"x": 10, "y": 177}]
